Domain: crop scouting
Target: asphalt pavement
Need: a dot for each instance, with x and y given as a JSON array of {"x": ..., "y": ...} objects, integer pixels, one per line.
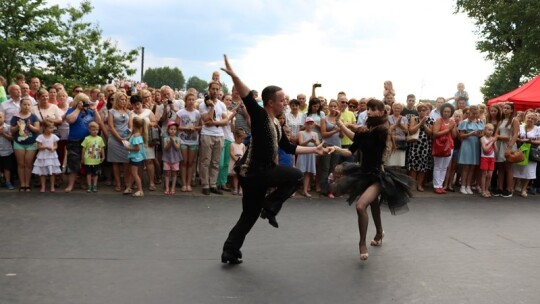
[{"x": 110, "y": 248}]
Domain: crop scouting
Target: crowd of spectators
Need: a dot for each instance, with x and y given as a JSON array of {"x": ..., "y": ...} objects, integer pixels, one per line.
[{"x": 125, "y": 133}]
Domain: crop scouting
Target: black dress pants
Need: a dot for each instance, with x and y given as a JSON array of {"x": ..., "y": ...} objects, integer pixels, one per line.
[{"x": 286, "y": 180}]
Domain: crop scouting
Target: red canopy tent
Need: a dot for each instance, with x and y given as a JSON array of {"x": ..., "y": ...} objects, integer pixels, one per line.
[{"x": 525, "y": 97}]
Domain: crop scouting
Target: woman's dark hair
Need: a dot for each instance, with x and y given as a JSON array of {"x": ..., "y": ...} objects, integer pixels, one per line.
[
  {"x": 134, "y": 99},
  {"x": 497, "y": 118},
  {"x": 52, "y": 88},
  {"x": 294, "y": 102},
  {"x": 110, "y": 101},
  {"x": 511, "y": 118},
  {"x": 447, "y": 105},
  {"x": 375, "y": 104},
  {"x": 314, "y": 101}
]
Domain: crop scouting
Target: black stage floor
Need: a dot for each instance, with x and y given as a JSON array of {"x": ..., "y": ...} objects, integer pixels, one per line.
[{"x": 108, "y": 248}]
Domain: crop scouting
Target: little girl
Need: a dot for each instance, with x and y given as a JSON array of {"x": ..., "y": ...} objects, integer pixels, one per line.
[
  {"x": 333, "y": 178},
  {"x": 189, "y": 126},
  {"x": 47, "y": 163},
  {"x": 388, "y": 89},
  {"x": 306, "y": 162},
  {"x": 487, "y": 158},
  {"x": 136, "y": 154},
  {"x": 236, "y": 151},
  {"x": 171, "y": 156}
]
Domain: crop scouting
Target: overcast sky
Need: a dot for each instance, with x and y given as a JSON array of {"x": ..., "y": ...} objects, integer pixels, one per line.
[{"x": 347, "y": 45}]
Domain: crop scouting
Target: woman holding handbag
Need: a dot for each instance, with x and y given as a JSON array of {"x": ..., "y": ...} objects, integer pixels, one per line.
[
  {"x": 399, "y": 127},
  {"x": 528, "y": 134},
  {"x": 444, "y": 132},
  {"x": 506, "y": 142},
  {"x": 419, "y": 158}
]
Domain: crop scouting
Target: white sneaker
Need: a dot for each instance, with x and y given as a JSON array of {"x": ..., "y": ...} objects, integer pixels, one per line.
[
  {"x": 469, "y": 190},
  {"x": 463, "y": 190}
]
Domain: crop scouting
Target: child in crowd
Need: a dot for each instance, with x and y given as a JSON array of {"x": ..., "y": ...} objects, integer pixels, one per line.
[
  {"x": 461, "y": 93},
  {"x": 189, "y": 125},
  {"x": 333, "y": 178},
  {"x": 388, "y": 89},
  {"x": 487, "y": 158},
  {"x": 171, "y": 156},
  {"x": 284, "y": 158},
  {"x": 93, "y": 155},
  {"x": 46, "y": 163},
  {"x": 136, "y": 154},
  {"x": 102, "y": 101},
  {"x": 7, "y": 158},
  {"x": 236, "y": 150},
  {"x": 306, "y": 162}
]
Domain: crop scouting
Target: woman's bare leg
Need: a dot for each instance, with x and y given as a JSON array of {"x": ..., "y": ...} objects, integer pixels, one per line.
[{"x": 370, "y": 195}]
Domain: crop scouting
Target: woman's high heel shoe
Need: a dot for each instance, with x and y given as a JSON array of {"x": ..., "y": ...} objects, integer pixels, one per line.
[
  {"x": 377, "y": 243},
  {"x": 363, "y": 256}
]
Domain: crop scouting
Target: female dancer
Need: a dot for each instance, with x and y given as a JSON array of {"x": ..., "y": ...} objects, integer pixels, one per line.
[{"x": 365, "y": 182}]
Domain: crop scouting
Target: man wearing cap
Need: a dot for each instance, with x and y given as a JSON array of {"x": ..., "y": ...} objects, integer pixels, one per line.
[{"x": 258, "y": 170}]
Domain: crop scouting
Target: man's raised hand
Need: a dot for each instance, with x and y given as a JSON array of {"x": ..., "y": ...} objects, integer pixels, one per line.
[{"x": 228, "y": 69}]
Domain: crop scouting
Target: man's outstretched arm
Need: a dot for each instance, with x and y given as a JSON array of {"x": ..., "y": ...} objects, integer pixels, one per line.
[{"x": 241, "y": 87}]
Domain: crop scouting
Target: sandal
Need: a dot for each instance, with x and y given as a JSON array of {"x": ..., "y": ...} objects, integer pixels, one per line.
[
  {"x": 486, "y": 195},
  {"x": 166, "y": 192},
  {"x": 188, "y": 189},
  {"x": 28, "y": 189},
  {"x": 524, "y": 193},
  {"x": 138, "y": 194},
  {"x": 152, "y": 187},
  {"x": 377, "y": 243},
  {"x": 117, "y": 189},
  {"x": 183, "y": 189},
  {"x": 172, "y": 192},
  {"x": 128, "y": 191},
  {"x": 363, "y": 255}
]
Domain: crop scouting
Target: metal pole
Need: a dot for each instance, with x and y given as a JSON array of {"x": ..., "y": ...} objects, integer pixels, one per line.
[{"x": 142, "y": 63}]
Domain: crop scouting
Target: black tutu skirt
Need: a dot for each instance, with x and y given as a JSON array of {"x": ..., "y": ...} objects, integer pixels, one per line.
[{"x": 395, "y": 186}]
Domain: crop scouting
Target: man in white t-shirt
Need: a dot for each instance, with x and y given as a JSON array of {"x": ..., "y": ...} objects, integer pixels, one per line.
[
  {"x": 167, "y": 110},
  {"x": 436, "y": 114},
  {"x": 214, "y": 117},
  {"x": 12, "y": 106}
]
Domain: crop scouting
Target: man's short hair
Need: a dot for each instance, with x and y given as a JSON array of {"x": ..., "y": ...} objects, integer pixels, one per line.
[
  {"x": 214, "y": 82},
  {"x": 269, "y": 93}
]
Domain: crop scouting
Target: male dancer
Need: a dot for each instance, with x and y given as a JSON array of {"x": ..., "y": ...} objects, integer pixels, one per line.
[{"x": 258, "y": 170}]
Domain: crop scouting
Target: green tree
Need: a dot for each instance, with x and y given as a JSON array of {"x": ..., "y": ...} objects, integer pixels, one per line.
[
  {"x": 158, "y": 77},
  {"x": 510, "y": 36},
  {"x": 56, "y": 44},
  {"x": 197, "y": 83},
  {"x": 224, "y": 88}
]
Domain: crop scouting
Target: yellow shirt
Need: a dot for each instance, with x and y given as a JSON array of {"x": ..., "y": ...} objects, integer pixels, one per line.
[{"x": 347, "y": 117}]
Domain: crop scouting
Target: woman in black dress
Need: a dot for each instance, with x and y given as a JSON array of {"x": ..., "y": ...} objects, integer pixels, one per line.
[{"x": 370, "y": 180}]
